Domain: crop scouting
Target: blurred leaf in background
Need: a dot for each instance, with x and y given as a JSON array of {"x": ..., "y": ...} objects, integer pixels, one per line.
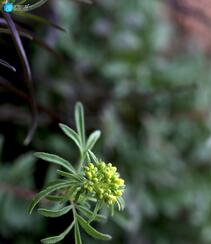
[{"x": 16, "y": 180}]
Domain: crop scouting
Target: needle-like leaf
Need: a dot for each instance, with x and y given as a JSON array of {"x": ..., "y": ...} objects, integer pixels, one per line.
[
  {"x": 46, "y": 192},
  {"x": 40, "y": 20},
  {"x": 88, "y": 213},
  {"x": 56, "y": 239},
  {"x": 71, "y": 134},
  {"x": 91, "y": 231},
  {"x": 54, "y": 213},
  {"x": 9, "y": 66},
  {"x": 92, "y": 139},
  {"x": 27, "y": 73},
  {"x": 79, "y": 121},
  {"x": 27, "y": 7},
  {"x": 55, "y": 159}
]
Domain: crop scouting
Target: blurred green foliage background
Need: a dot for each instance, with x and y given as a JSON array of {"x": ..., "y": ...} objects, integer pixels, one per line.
[{"x": 150, "y": 94}]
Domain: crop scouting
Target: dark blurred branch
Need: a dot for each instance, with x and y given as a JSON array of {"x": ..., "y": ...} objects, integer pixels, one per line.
[
  {"x": 27, "y": 74},
  {"x": 7, "y": 86},
  {"x": 28, "y": 34}
]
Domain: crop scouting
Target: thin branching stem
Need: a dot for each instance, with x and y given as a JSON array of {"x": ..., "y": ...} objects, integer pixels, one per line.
[{"x": 27, "y": 74}]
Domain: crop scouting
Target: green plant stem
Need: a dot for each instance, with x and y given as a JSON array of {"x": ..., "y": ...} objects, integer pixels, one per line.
[
  {"x": 74, "y": 211},
  {"x": 81, "y": 160}
]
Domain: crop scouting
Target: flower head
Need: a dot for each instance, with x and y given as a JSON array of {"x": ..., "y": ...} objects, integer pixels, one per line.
[{"x": 103, "y": 182}]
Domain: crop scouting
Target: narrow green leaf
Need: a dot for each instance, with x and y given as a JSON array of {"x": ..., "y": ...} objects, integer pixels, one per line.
[
  {"x": 120, "y": 203},
  {"x": 111, "y": 210},
  {"x": 46, "y": 192},
  {"x": 91, "y": 231},
  {"x": 96, "y": 209},
  {"x": 27, "y": 7},
  {"x": 92, "y": 155},
  {"x": 77, "y": 234},
  {"x": 71, "y": 134},
  {"x": 77, "y": 177},
  {"x": 92, "y": 139},
  {"x": 54, "y": 213},
  {"x": 92, "y": 199},
  {"x": 88, "y": 213},
  {"x": 79, "y": 120},
  {"x": 55, "y": 159},
  {"x": 55, "y": 198},
  {"x": 40, "y": 20},
  {"x": 88, "y": 158},
  {"x": 65, "y": 174},
  {"x": 55, "y": 239}
]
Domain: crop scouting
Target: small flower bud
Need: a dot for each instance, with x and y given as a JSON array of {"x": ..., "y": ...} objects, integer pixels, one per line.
[
  {"x": 114, "y": 169},
  {"x": 89, "y": 175},
  {"x": 119, "y": 193},
  {"x": 91, "y": 166},
  {"x": 119, "y": 181},
  {"x": 90, "y": 189}
]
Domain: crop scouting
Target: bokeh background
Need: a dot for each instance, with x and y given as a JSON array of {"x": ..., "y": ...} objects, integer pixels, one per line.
[{"x": 142, "y": 70}]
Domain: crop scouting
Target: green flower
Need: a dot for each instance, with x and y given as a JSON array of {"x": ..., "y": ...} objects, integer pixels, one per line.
[{"x": 103, "y": 182}]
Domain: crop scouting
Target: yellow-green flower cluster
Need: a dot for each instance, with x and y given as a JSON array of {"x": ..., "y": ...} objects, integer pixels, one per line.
[{"x": 104, "y": 182}]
